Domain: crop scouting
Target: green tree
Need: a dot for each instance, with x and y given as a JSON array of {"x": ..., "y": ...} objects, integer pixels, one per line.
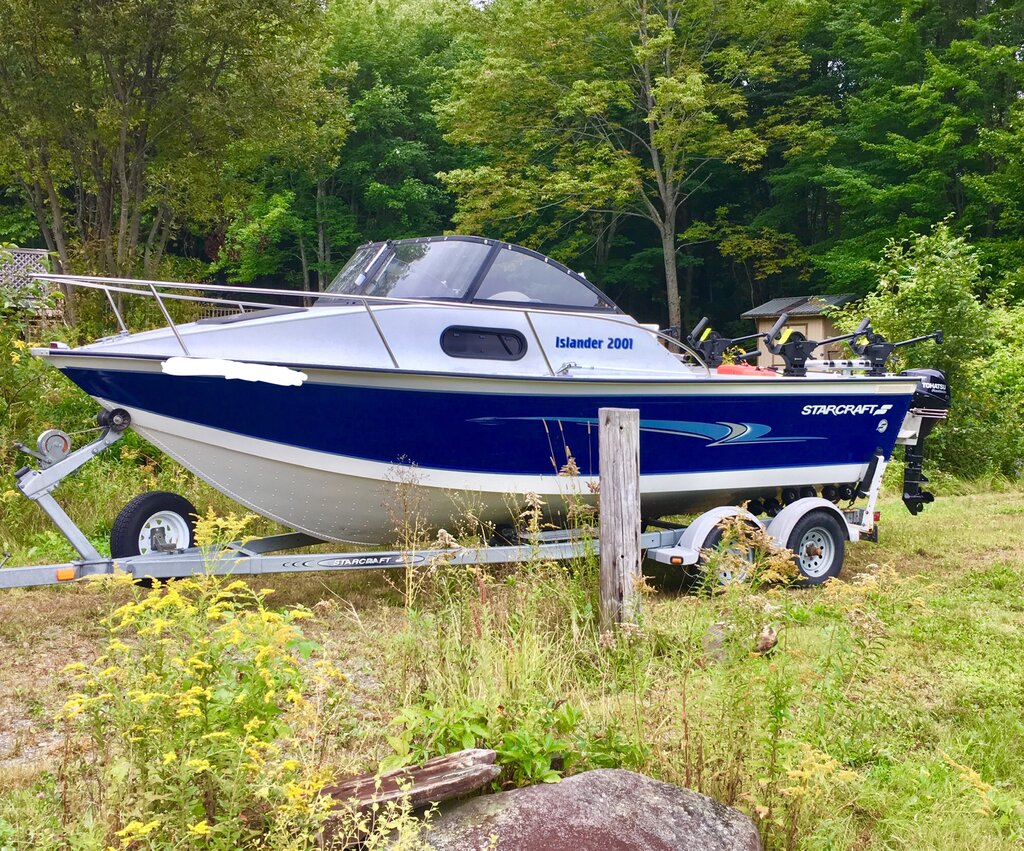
[
  {"x": 366, "y": 166},
  {"x": 118, "y": 114},
  {"x": 279, "y": 201},
  {"x": 621, "y": 108},
  {"x": 401, "y": 53},
  {"x": 911, "y": 111}
]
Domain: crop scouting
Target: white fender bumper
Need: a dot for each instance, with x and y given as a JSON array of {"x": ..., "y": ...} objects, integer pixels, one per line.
[{"x": 687, "y": 551}]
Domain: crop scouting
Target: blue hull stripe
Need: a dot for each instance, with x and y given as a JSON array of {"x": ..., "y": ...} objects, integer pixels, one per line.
[{"x": 516, "y": 433}]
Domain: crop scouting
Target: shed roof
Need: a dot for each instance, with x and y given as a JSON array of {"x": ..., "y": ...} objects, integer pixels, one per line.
[{"x": 801, "y": 305}]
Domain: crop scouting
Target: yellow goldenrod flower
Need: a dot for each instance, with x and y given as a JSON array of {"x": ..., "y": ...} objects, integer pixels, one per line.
[
  {"x": 169, "y": 757},
  {"x": 135, "y": 829},
  {"x": 143, "y": 698},
  {"x": 200, "y": 828}
]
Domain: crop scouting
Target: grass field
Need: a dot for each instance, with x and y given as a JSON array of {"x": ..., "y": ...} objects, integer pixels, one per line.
[{"x": 889, "y": 715}]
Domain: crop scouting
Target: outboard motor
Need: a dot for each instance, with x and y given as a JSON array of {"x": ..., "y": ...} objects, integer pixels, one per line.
[{"x": 929, "y": 405}]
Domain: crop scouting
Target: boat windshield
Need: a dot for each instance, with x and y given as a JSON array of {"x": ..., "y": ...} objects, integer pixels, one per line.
[
  {"x": 465, "y": 269},
  {"x": 351, "y": 278}
]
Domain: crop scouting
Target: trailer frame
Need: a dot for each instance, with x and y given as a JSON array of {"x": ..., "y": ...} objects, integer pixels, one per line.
[{"x": 677, "y": 546}]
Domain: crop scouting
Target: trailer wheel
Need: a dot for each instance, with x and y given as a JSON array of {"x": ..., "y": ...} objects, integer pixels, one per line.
[
  {"x": 147, "y": 518},
  {"x": 818, "y": 542},
  {"x": 725, "y": 576}
]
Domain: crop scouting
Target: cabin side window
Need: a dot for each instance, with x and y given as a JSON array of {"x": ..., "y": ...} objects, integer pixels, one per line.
[
  {"x": 516, "y": 277},
  {"x": 463, "y": 341}
]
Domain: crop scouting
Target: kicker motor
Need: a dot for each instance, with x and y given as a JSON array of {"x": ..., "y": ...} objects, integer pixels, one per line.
[{"x": 929, "y": 405}]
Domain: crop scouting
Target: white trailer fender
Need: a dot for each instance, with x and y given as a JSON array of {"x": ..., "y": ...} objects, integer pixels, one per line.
[
  {"x": 781, "y": 526},
  {"x": 687, "y": 551}
]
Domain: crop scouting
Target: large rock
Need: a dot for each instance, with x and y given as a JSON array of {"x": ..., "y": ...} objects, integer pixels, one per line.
[{"x": 606, "y": 810}]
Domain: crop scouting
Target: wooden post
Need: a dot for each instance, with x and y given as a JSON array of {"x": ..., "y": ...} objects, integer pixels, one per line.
[{"x": 619, "y": 456}]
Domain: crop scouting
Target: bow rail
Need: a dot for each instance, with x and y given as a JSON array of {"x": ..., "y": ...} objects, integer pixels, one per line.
[{"x": 160, "y": 291}]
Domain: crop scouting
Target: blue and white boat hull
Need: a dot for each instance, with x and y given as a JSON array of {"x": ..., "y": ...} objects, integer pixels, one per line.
[{"x": 336, "y": 456}]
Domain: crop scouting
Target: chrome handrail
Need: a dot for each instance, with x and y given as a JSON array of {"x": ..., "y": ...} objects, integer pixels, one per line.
[
  {"x": 380, "y": 333},
  {"x": 133, "y": 286},
  {"x": 540, "y": 343},
  {"x": 170, "y": 322}
]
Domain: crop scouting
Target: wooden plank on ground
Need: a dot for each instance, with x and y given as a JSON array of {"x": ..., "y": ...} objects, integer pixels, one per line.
[{"x": 438, "y": 779}]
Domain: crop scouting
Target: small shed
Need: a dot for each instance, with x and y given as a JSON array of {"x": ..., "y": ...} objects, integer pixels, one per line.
[{"x": 806, "y": 315}]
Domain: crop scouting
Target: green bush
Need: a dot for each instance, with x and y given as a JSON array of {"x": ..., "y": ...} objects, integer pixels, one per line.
[
  {"x": 936, "y": 281},
  {"x": 536, "y": 741}
]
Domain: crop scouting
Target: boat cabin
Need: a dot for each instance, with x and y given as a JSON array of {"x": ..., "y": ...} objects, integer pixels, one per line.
[{"x": 467, "y": 269}]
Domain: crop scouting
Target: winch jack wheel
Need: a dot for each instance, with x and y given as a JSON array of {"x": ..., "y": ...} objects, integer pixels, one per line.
[
  {"x": 153, "y": 522},
  {"x": 818, "y": 542}
]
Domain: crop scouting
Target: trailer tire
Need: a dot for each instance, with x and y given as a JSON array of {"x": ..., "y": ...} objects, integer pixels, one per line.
[
  {"x": 818, "y": 543},
  {"x": 724, "y": 577},
  {"x": 175, "y": 514}
]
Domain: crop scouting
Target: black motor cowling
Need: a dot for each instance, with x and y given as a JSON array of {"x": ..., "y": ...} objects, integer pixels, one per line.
[
  {"x": 931, "y": 404},
  {"x": 932, "y": 389}
]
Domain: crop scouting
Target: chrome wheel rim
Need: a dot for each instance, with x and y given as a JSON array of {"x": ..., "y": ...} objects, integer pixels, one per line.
[
  {"x": 176, "y": 531},
  {"x": 815, "y": 553},
  {"x": 727, "y": 576}
]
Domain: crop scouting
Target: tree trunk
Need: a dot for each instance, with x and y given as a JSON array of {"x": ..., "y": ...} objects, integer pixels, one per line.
[
  {"x": 688, "y": 298},
  {"x": 34, "y": 193},
  {"x": 322, "y": 248},
  {"x": 687, "y": 318},
  {"x": 148, "y": 261},
  {"x": 668, "y": 247},
  {"x": 605, "y": 238},
  {"x": 304, "y": 260},
  {"x": 57, "y": 229}
]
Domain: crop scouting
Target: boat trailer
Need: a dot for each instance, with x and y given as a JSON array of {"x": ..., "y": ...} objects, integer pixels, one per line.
[{"x": 671, "y": 545}]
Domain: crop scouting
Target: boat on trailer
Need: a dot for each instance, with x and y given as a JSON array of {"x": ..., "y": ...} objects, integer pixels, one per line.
[{"x": 471, "y": 371}]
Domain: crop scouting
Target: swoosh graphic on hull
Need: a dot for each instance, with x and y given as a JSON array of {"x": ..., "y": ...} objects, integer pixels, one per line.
[{"x": 719, "y": 434}]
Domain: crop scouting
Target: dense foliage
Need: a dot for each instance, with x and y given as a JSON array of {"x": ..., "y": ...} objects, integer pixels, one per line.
[{"x": 936, "y": 280}]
